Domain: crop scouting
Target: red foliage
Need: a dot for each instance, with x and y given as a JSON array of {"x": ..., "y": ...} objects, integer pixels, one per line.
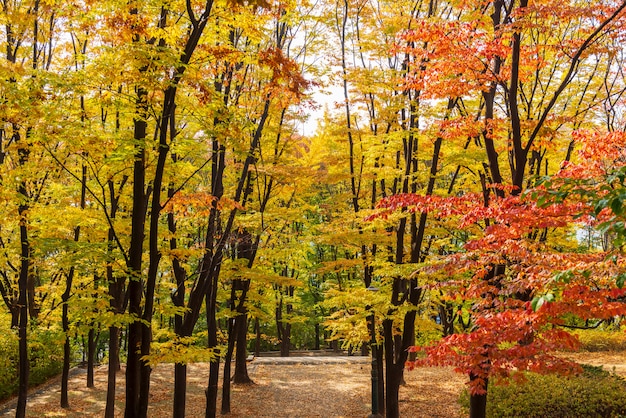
[{"x": 517, "y": 314}]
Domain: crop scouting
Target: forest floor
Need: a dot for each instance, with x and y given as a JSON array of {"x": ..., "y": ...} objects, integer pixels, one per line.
[{"x": 325, "y": 387}]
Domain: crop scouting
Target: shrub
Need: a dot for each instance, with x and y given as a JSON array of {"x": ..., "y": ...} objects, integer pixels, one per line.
[
  {"x": 602, "y": 340},
  {"x": 8, "y": 363},
  {"x": 594, "y": 393},
  {"x": 46, "y": 358}
]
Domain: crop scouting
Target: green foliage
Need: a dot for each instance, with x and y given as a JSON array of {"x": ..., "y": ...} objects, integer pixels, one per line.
[
  {"x": 602, "y": 340},
  {"x": 594, "y": 393},
  {"x": 45, "y": 353},
  {"x": 8, "y": 363}
]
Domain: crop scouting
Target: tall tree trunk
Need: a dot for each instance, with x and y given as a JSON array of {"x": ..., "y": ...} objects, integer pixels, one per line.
[
  {"x": 135, "y": 285},
  {"x": 114, "y": 363},
  {"x": 24, "y": 364},
  {"x": 214, "y": 368},
  {"x": 92, "y": 342}
]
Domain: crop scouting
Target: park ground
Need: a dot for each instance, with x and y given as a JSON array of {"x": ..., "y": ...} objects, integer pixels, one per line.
[{"x": 298, "y": 387}]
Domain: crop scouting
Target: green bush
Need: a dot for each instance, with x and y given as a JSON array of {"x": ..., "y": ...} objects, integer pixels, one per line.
[
  {"x": 46, "y": 356},
  {"x": 45, "y": 353},
  {"x": 594, "y": 393},
  {"x": 602, "y": 340},
  {"x": 8, "y": 363}
]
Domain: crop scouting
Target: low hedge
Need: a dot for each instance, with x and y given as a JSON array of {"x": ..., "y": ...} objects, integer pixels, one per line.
[{"x": 595, "y": 393}]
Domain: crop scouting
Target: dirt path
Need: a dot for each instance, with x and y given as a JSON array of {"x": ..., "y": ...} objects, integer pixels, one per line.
[{"x": 332, "y": 389}]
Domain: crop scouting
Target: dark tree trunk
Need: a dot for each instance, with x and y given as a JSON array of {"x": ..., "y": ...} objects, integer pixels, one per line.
[
  {"x": 24, "y": 364},
  {"x": 114, "y": 365},
  {"x": 65, "y": 403},
  {"x": 214, "y": 369},
  {"x": 257, "y": 341},
  {"x": 226, "y": 381},
  {"x": 381, "y": 382},
  {"x": 317, "y": 336},
  {"x": 241, "y": 353},
  {"x": 135, "y": 285},
  {"x": 25, "y": 253},
  {"x": 15, "y": 318},
  {"x": 229, "y": 355},
  {"x": 178, "y": 298},
  {"x": 284, "y": 327},
  {"x": 478, "y": 403},
  {"x": 92, "y": 341},
  {"x": 65, "y": 373},
  {"x": 285, "y": 342},
  {"x": 211, "y": 391},
  {"x": 180, "y": 389},
  {"x": 116, "y": 294},
  {"x": 393, "y": 380}
]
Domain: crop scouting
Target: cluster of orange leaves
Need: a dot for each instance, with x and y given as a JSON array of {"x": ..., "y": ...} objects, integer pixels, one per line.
[{"x": 198, "y": 204}]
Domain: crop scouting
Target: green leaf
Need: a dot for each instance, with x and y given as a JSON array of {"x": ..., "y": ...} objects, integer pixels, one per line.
[
  {"x": 617, "y": 205},
  {"x": 538, "y": 301},
  {"x": 563, "y": 276},
  {"x": 621, "y": 279},
  {"x": 601, "y": 204}
]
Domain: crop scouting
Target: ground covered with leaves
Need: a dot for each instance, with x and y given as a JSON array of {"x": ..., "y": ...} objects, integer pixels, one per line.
[{"x": 279, "y": 390}]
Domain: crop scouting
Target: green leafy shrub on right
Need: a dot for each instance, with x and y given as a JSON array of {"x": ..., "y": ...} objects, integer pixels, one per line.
[
  {"x": 595, "y": 340},
  {"x": 595, "y": 393}
]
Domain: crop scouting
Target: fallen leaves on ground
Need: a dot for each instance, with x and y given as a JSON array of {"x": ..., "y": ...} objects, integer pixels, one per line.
[{"x": 329, "y": 390}]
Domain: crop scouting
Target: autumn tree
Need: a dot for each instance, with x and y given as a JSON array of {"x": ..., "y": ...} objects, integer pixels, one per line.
[{"x": 535, "y": 86}]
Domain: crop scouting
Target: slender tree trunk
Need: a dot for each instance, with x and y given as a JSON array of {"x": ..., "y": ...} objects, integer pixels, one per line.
[
  {"x": 65, "y": 373},
  {"x": 24, "y": 364},
  {"x": 257, "y": 341},
  {"x": 114, "y": 365},
  {"x": 229, "y": 353},
  {"x": 227, "y": 364},
  {"x": 92, "y": 341},
  {"x": 317, "y": 337},
  {"x": 214, "y": 368},
  {"x": 381, "y": 381}
]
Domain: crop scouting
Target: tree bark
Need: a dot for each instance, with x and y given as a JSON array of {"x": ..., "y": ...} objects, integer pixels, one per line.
[
  {"x": 478, "y": 403},
  {"x": 24, "y": 363},
  {"x": 135, "y": 285},
  {"x": 92, "y": 341},
  {"x": 180, "y": 389},
  {"x": 114, "y": 340},
  {"x": 241, "y": 352}
]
